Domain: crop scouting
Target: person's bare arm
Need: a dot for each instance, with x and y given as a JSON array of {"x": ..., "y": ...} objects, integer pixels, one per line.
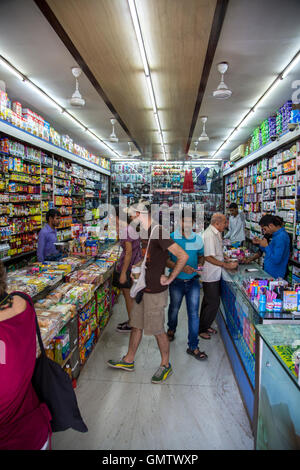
[
  {"x": 187, "y": 269},
  {"x": 182, "y": 258},
  {"x": 222, "y": 264},
  {"x": 126, "y": 263}
]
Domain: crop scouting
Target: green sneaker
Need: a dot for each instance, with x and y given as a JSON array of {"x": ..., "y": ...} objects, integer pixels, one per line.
[
  {"x": 129, "y": 366},
  {"x": 162, "y": 374}
]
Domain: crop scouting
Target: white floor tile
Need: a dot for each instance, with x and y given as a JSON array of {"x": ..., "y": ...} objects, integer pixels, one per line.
[{"x": 199, "y": 407}]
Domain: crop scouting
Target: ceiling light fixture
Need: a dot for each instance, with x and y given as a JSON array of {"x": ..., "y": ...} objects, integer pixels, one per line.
[
  {"x": 222, "y": 92},
  {"x": 11, "y": 68},
  {"x": 138, "y": 32},
  {"x": 151, "y": 93},
  {"x": 140, "y": 40},
  {"x": 43, "y": 95},
  {"x": 291, "y": 65},
  {"x": 203, "y": 137}
]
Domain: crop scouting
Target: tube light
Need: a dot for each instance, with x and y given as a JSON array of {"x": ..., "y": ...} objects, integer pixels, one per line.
[
  {"x": 267, "y": 94},
  {"x": 292, "y": 64},
  {"x": 43, "y": 95},
  {"x": 137, "y": 28},
  {"x": 11, "y": 69},
  {"x": 157, "y": 122},
  {"x": 74, "y": 120},
  {"x": 151, "y": 92}
]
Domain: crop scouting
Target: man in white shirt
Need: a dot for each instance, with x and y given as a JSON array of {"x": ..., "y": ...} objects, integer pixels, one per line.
[
  {"x": 212, "y": 271},
  {"x": 236, "y": 232}
]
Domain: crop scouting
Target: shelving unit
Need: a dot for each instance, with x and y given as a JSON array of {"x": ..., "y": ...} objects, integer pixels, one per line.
[
  {"x": 33, "y": 182},
  {"x": 270, "y": 185}
]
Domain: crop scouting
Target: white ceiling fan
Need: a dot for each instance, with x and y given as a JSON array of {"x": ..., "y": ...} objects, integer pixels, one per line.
[
  {"x": 113, "y": 137},
  {"x": 194, "y": 154},
  {"x": 131, "y": 153},
  {"x": 203, "y": 137},
  {"x": 222, "y": 92},
  {"x": 77, "y": 101}
]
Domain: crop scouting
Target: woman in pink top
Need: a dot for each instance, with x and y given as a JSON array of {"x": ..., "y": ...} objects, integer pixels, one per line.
[{"x": 24, "y": 421}]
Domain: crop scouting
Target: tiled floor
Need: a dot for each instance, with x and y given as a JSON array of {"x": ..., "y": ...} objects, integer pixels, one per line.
[{"x": 199, "y": 407}]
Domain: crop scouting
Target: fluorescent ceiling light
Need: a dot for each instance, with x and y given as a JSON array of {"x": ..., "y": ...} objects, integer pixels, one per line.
[
  {"x": 137, "y": 28},
  {"x": 293, "y": 63},
  {"x": 151, "y": 92},
  {"x": 43, "y": 95},
  {"x": 267, "y": 94},
  {"x": 157, "y": 122},
  {"x": 74, "y": 120},
  {"x": 11, "y": 69}
]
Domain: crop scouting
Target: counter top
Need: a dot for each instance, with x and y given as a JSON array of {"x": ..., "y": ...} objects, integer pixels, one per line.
[
  {"x": 237, "y": 277},
  {"x": 284, "y": 342}
]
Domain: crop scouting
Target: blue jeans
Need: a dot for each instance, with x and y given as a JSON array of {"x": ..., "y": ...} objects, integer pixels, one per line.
[{"x": 191, "y": 290}]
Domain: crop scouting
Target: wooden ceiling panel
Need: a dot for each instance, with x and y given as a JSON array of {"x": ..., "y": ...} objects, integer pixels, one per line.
[{"x": 176, "y": 35}]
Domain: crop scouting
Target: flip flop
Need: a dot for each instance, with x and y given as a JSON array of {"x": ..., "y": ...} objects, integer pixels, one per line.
[
  {"x": 203, "y": 337},
  {"x": 212, "y": 331}
]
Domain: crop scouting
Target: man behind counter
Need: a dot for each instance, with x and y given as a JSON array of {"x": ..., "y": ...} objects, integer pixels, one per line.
[
  {"x": 46, "y": 250},
  {"x": 277, "y": 252}
]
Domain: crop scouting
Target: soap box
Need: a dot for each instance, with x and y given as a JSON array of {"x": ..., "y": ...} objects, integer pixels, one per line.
[{"x": 290, "y": 300}]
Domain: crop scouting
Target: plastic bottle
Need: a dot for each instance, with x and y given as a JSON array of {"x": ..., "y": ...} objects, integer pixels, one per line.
[{"x": 262, "y": 302}]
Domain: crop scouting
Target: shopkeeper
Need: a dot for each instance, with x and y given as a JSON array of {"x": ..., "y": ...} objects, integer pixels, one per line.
[
  {"x": 46, "y": 250},
  {"x": 277, "y": 252},
  {"x": 236, "y": 231}
]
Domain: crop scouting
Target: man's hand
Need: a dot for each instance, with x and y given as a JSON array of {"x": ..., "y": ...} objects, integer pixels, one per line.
[
  {"x": 263, "y": 243},
  {"x": 165, "y": 280},
  {"x": 189, "y": 270},
  {"x": 256, "y": 240},
  {"x": 231, "y": 265}
]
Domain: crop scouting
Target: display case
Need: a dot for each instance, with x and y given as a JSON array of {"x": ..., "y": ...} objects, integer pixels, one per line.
[
  {"x": 237, "y": 319},
  {"x": 278, "y": 423}
]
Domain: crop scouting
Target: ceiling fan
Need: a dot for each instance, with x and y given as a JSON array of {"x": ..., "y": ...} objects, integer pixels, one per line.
[
  {"x": 203, "y": 137},
  {"x": 131, "y": 153},
  {"x": 77, "y": 101},
  {"x": 222, "y": 92},
  {"x": 113, "y": 137},
  {"x": 195, "y": 154}
]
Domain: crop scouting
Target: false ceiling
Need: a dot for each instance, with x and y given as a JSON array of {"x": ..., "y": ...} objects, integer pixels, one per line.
[{"x": 184, "y": 41}]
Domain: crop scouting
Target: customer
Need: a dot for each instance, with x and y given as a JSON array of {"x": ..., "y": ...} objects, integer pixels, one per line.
[
  {"x": 211, "y": 275},
  {"x": 236, "y": 232},
  {"x": 149, "y": 315},
  {"x": 277, "y": 252},
  {"x": 187, "y": 284},
  {"x": 24, "y": 421},
  {"x": 131, "y": 254},
  {"x": 46, "y": 250}
]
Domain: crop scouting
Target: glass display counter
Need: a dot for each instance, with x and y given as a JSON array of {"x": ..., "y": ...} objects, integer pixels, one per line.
[
  {"x": 278, "y": 423},
  {"x": 236, "y": 321}
]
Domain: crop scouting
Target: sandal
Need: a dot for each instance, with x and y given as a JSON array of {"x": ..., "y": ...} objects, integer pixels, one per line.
[
  {"x": 200, "y": 355},
  {"x": 171, "y": 335},
  {"x": 204, "y": 337},
  {"x": 212, "y": 331}
]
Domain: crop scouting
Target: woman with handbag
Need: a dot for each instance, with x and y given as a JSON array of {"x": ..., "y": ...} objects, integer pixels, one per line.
[
  {"x": 131, "y": 254},
  {"x": 24, "y": 421}
]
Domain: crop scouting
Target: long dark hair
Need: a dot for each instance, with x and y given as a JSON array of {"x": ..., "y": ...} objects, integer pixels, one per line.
[{"x": 3, "y": 280}]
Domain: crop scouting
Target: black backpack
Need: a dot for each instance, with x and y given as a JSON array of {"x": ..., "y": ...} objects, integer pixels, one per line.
[{"x": 54, "y": 387}]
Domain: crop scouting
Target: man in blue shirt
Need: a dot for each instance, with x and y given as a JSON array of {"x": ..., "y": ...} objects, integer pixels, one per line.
[
  {"x": 277, "y": 253},
  {"x": 46, "y": 250},
  {"x": 187, "y": 284}
]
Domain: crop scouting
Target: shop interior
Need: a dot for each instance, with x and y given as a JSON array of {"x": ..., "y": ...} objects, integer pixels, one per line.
[{"x": 186, "y": 103}]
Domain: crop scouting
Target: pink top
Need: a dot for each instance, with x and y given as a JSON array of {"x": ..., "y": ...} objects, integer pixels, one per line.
[{"x": 24, "y": 421}]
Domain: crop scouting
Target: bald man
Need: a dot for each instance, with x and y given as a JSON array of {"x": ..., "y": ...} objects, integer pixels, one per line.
[{"x": 212, "y": 271}]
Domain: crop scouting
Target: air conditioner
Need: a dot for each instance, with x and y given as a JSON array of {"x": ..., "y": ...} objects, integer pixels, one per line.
[{"x": 237, "y": 153}]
